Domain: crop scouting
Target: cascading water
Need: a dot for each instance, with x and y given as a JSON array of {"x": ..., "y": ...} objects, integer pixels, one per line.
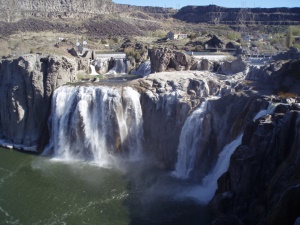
[
  {"x": 92, "y": 123},
  {"x": 93, "y": 71},
  {"x": 264, "y": 112},
  {"x": 143, "y": 70},
  {"x": 205, "y": 192},
  {"x": 119, "y": 67},
  {"x": 188, "y": 142}
]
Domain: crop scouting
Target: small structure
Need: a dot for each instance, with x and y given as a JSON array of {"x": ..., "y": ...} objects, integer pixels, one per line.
[{"x": 176, "y": 36}]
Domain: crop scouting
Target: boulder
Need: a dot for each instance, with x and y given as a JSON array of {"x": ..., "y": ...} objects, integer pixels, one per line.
[
  {"x": 163, "y": 59},
  {"x": 235, "y": 66}
]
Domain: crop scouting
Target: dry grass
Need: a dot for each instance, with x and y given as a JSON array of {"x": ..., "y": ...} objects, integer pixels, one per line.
[
  {"x": 285, "y": 95},
  {"x": 44, "y": 42}
]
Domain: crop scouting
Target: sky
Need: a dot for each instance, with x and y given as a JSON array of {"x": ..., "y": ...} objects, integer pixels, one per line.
[{"x": 226, "y": 3}]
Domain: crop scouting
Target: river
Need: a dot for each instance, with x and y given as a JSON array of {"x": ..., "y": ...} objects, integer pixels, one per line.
[{"x": 40, "y": 190}]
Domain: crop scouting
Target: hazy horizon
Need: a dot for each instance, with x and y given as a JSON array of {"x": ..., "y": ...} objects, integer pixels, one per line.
[{"x": 230, "y": 4}]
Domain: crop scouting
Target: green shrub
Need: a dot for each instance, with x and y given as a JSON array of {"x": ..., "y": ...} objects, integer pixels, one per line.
[
  {"x": 233, "y": 36},
  {"x": 115, "y": 39},
  {"x": 192, "y": 36},
  {"x": 136, "y": 54},
  {"x": 103, "y": 41}
]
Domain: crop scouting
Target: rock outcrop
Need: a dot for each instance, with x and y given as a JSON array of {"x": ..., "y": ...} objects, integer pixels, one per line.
[
  {"x": 215, "y": 42},
  {"x": 235, "y": 66},
  {"x": 284, "y": 76},
  {"x": 262, "y": 183},
  {"x": 26, "y": 88},
  {"x": 163, "y": 59},
  {"x": 292, "y": 53}
]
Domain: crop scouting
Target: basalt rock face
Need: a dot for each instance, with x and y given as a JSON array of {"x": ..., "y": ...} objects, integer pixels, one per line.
[
  {"x": 283, "y": 75},
  {"x": 262, "y": 183},
  {"x": 292, "y": 53},
  {"x": 17, "y": 9},
  {"x": 26, "y": 88},
  {"x": 224, "y": 120},
  {"x": 167, "y": 99},
  {"x": 218, "y": 15}
]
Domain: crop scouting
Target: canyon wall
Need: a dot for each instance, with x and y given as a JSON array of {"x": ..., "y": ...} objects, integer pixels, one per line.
[
  {"x": 220, "y": 15},
  {"x": 15, "y": 10},
  {"x": 26, "y": 88}
]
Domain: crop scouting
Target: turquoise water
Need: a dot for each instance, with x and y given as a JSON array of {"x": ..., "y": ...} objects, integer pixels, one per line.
[{"x": 39, "y": 190}]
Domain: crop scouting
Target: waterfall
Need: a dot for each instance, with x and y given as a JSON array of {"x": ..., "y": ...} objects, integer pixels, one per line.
[
  {"x": 119, "y": 67},
  {"x": 188, "y": 142},
  {"x": 93, "y": 71},
  {"x": 143, "y": 70},
  {"x": 95, "y": 123},
  {"x": 205, "y": 192},
  {"x": 264, "y": 112}
]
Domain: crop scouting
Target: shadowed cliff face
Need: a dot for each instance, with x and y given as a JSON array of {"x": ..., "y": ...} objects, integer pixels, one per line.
[
  {"x": 262, "y": 183},
  {"x": 26, "y": 87}
]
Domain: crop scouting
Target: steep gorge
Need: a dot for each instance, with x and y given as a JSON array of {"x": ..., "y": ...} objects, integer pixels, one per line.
[{"x": 154, "y": 117}]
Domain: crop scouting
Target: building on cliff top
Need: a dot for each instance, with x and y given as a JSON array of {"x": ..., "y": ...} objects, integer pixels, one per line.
[{"x": 176, "y": 36}]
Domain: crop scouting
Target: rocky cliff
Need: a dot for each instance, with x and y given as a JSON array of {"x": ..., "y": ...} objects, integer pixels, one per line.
[
  {"x": 163, "y": 59},
  {"x": 154, "y": 12},
  {"x": 14, "y": 10},
  {"x": 220, "y": 15},
  {"x": 27, "y": 84},
  {"x": 150, "y": 113},
  {"x": 262, "y": 183},
  {"x": 168, "y": 98},
  {"x": 283, "y": 76}
]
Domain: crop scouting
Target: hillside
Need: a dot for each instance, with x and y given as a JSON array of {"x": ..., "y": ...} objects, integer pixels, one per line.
[{"x": 104, "y": 17}]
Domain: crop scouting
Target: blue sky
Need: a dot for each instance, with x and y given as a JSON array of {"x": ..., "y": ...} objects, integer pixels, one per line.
[{"x": 228, "y": 3}]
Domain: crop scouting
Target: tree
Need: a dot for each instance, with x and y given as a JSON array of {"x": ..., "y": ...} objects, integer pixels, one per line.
[{"x": 290, "y": 37}]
